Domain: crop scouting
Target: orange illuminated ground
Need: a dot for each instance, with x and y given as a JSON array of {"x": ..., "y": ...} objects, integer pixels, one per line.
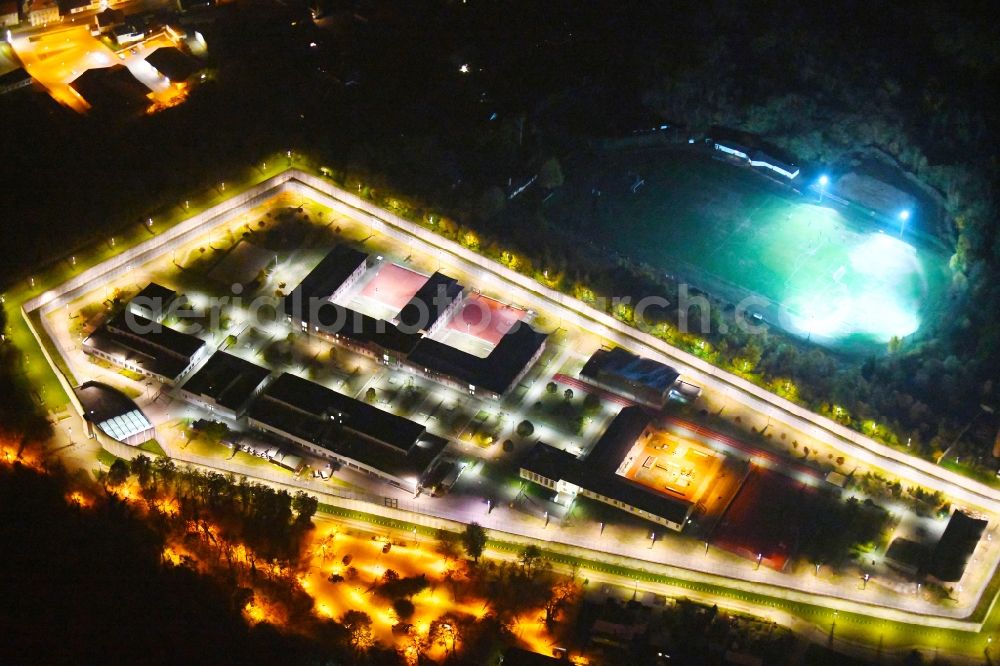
[
  {"x": 58, "y": 57},
  {"x": 370, "y": 563},
  {"x": 673, "y": 465}
]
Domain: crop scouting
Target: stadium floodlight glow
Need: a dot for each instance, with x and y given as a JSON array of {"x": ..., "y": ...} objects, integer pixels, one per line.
[{"x": 874, "y": 289}]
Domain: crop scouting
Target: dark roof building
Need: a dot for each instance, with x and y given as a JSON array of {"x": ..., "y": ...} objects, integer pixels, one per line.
[
  {"x": 496, "y": 373},
  {"x": 112, "y": 89},
  {"x": 226, "y": 383},
  {"x": 345, "y": 324},
  {"x": 14, "y": 80},
  {"x": 335, "y": 272},
  {"x": 631, "y": 376},
  {"x": 311, "y": 306},
  {"x": 596, "y": 476},
  {"x": 353, "y": 432},
  {"x": 959, "y": 541},
  {"x": 521, "y": 657},
  {"x": 145, "y": 346},
  {"x": 190, "y": 5},
  {"x": 174, "y": 63},
  {"x": 114, "y": 414},
  {"x": 67, "y": 7},
  {"x": 431, "y": 305},
  {"x": 109, "y": 18},
  {"x": 153, "y": 302}
]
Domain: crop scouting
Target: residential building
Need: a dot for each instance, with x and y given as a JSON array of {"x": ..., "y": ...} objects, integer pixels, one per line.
[
  {"x": 9, "y": 16},
  {"x": 42, "y": 12}
]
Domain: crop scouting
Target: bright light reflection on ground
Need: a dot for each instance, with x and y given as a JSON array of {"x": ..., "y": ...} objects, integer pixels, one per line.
[{"x": 877, "y": 294}]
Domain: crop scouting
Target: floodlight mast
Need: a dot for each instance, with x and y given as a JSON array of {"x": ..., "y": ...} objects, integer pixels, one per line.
[{"x": 824, "y": 180}]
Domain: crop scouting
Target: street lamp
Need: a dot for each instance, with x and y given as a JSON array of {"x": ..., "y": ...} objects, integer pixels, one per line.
[{"x": 759, "y": 558}]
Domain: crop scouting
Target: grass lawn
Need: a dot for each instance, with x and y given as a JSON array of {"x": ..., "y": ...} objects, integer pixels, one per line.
[
  {"x": 152, "y": 446},
  {"x": 731, "y": 232}
]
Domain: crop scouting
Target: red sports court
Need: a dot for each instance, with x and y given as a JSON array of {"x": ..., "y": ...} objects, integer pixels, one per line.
[
  {"x": 393, "y": 286},
  {"x": 765, "y": 518},
  {"x": 485, "y": 318}
]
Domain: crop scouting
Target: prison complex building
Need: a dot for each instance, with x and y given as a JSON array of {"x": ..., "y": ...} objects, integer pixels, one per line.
[
  {"x": 493, "y": 375},
  {"x": 596, "y": 475},
  {"x": 225, "y": 384},
  {"x": 638, "y": 379},
  {"x": 110, "y": 413},
  {"x": 145, "y": 346},
  {"x": 310, "y": 306},
  {"x": 952, "y": 553},
  {"x": 433, "y": 305},
  {"x": 154, "y": 302},
  {"x": 752, "y": 150},
  {"x": 349, "y": 431}
]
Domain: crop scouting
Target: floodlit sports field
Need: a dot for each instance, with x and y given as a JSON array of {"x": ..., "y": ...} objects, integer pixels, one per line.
[{"x": 729, "y": 231}]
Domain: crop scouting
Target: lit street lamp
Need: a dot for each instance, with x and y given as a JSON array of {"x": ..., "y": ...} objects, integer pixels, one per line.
[{"x": 824, "y": 180}]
